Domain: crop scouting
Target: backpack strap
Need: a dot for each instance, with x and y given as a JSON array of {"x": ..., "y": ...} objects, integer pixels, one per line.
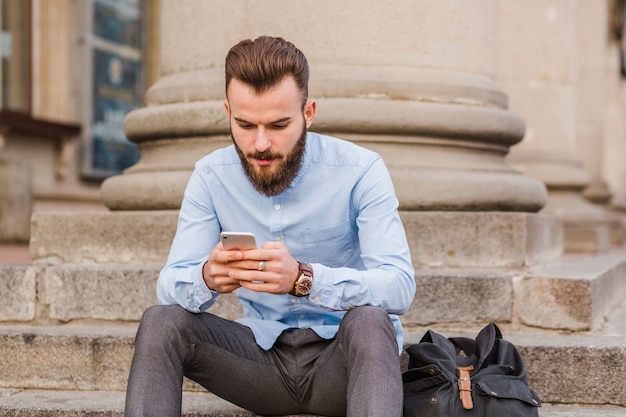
[{"x": 465, "y": 387}]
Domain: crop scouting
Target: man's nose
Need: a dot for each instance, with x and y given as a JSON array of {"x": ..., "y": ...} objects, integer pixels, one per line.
[{"x": 262, "y": 142}]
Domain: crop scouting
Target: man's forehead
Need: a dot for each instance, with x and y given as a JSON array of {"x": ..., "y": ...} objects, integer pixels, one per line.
[{"x": 282, "y": 101}]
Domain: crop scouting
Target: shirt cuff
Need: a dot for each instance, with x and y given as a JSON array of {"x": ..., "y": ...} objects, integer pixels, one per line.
[
  {"x": 203, "y": 296},
  {"x": 325, "y": 292}
]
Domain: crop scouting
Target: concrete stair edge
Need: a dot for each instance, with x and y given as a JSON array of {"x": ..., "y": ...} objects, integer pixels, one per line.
[{"x": 41, "y": 403}]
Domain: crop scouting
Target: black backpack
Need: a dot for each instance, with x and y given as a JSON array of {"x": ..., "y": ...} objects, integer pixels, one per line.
[{"x": 462, "y": 377}]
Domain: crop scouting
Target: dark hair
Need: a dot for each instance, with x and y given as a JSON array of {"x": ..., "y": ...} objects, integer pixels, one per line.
[{"x": 264, "y": 62}]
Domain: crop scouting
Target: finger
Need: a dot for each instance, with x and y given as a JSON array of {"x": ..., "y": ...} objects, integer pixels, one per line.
[
  {"x": 252, "y": 265},
  {"x": 251, "y": 275},
  {"x": 226, "y": 284},
  {"x": 259, "y": 286},
  {"x": 226, "y": 289},
  {"x": 272, "y": 245},
  {"x": 227, "y": 256}
]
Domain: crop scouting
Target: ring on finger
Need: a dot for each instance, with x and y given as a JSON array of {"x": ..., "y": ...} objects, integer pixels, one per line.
[{"x": 261, "y": 265}]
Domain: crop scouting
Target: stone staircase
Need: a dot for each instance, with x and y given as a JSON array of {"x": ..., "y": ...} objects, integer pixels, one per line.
[
  {"x": 68, "y": 319},
  {"x": 70, "y": 365}
]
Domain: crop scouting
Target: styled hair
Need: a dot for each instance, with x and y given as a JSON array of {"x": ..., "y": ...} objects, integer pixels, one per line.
[{"x": 264, "y": 62}]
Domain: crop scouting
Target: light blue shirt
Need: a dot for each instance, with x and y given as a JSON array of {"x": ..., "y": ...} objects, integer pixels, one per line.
[{"x": 339, "y": 214}]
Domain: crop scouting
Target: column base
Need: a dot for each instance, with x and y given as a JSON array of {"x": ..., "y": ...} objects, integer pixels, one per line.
[
  {"x": 586, "y": 227},
  {"x": 482, "y": 239}
]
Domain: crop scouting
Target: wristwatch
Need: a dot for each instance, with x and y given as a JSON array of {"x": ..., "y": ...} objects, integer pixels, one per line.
[{"x": 304, "y": 282}]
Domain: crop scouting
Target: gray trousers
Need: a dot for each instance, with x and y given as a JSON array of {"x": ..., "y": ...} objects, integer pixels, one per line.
[{"x": 356, "y": 374}]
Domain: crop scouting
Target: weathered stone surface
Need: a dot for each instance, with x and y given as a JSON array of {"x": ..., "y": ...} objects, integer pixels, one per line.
[
  {"x": 561, "y": 368},
  {"x": 66, "y": 357},
  {"x": 14, "y": 403},
  {"x": 465, "y": 239},
  {"x": 131, "y": 237},
  {"x": 17, "y": 292},
  {"x": 107, "y": 292},
  {"x": 461, "y": 296},
  {"x": 103, "y": 404},
  {"x": 573, "y": 293},
  {"x": 576, "y": 369},
  {"x": 482, "y": 239}
]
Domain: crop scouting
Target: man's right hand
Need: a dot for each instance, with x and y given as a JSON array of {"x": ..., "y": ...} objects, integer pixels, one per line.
[{"x": 215, "y": 270}]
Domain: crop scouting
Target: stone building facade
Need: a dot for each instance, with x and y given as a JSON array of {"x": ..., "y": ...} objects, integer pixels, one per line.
[{"x": 48, "y": 82}]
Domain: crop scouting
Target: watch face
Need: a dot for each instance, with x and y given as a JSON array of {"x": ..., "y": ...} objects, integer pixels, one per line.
[{"x": 305, "y": 283}]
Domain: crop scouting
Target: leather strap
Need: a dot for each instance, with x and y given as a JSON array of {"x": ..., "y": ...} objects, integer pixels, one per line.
[
  {"x": 306, "y": 269},
  {"x": 465, "y": 387}
]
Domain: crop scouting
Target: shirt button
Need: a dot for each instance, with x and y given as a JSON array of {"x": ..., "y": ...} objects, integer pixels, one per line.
[
  {"x": 316, "y": 299},
  {"x": 278, "y": 239},
  {"x": 294, "y": 300},
  {"x": 302, "y": 316},
  {"x": 276, "y": 206}
]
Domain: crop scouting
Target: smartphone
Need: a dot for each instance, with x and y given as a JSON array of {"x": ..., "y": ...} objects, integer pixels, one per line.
[{"x": 238, "y": 240}]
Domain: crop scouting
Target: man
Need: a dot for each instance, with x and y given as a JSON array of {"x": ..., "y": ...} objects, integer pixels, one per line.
[{"x": 321, "y": 295}]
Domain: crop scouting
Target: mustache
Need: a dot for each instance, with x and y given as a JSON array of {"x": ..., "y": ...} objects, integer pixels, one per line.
[{"x": 265, "y": 155}]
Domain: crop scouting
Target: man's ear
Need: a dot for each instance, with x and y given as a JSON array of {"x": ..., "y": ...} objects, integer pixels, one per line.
[
  {"x": 227, "y": 108},
  {"x": 310, "y": 109}
]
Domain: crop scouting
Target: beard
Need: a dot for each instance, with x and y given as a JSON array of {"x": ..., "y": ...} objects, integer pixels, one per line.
[{"x": 266, "y": 181}]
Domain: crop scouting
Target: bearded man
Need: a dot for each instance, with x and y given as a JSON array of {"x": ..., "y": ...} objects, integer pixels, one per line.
[{"x": 322, "y": 293}]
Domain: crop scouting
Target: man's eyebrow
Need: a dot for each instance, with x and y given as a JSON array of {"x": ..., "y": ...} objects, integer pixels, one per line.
[
  {"x": 281, "y": 120},
  {"x": 278, "y": 121}
]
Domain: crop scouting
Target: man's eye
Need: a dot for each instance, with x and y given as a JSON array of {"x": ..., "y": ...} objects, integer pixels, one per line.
[
  {"x": 245, "y": 126},
  {"x": 278, "y": 127}
]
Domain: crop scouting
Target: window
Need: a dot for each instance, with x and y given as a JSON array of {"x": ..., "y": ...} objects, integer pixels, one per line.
[
  {"x": 15, "y": 46},
  {"x": 114, "y": 83}
]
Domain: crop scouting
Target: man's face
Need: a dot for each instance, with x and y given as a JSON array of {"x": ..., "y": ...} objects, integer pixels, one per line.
[{"x": 269, "y": 132}]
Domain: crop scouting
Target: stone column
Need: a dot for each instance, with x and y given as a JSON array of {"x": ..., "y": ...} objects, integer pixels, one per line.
[
  {"x": 591, "y": 38},
  {"x": 615, "y": 123},
  {"x": 592, "y": 105},
  {"x": 538, "y": 55},
  {"x": 414, "y": 82}
]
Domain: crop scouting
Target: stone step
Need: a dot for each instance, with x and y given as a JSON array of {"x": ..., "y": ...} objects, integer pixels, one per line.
[
  {"x": 37, "y": 403},
  {"x": 574, "y": 293},
  {"x": 436, "y": 238},
  {"x": 583, "y": 368}
]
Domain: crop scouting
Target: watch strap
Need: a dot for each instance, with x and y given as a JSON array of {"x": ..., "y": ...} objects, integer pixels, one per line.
[
  {"x": 305, "y": 269},
  {"x": 303, "y": 281}
]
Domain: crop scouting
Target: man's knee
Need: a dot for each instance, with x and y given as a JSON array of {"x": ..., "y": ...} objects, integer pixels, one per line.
[
  {"x": 160, "y": 320},
  {"x": 365, "y": 321},
  {"x": 367, "y": 330},
  {"x": 162, "y": 314},
  {"x": 369, "y": 315}
]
